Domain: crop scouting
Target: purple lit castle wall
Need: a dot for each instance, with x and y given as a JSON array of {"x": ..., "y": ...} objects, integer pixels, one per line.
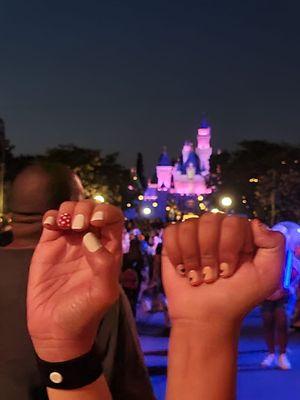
[{"x": 189, "y": 174}]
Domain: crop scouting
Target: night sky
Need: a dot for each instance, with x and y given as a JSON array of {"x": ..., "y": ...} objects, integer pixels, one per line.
[{"x": 133, "y": 76}]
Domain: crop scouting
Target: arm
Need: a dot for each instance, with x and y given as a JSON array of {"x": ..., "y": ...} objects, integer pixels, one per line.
[
  {"x": 73, "y": 280},
  {"x": 215, "y": 270}
]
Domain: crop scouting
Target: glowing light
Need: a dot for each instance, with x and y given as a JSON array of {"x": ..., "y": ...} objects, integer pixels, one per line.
[
  {"x": 155, "y": 204},
  {"x": 244, "y": 201},
  {"x": 200, "y": 198},
  {"x": 147, "y": 211},
  {"x": 99, "y": 198},
  {"x": 141, "y": 197},
  {"x": 283, "y": 162},
  {"x": 288, "y": 269},
  {"x": 214, "y": 210},
  {"x": 189, "y": 216},
  {"x": 168, "y": 208},
  {"x": 202, "y": 206},
  {"x": 135, "y": 178},
  {"x": 128, "y": 205},
  {"x": 130, "y": 187},
  {"x": 226, "y": 201},
  {"x": 253, "y": 180}
]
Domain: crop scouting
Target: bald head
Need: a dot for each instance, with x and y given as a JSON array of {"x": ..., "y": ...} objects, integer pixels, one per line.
[
  {"x": 40, "y": 187},
  {"x": 36, "y": 189}
]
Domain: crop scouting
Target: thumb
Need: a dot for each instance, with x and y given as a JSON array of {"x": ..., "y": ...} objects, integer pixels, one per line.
[{"x": 270, "y": 255}]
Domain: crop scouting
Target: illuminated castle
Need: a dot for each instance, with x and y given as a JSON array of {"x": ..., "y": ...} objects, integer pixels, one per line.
[{"x": 189, "y": 174}]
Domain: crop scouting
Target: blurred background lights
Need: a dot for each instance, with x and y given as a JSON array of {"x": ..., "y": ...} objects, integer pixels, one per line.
[
  {"x": 99, "y": 198},
  {"x": 226, "y": 201},
  {"x": 147, "y": 210}
]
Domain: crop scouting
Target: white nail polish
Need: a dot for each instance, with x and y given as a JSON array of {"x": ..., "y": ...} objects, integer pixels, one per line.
[
  {"x": 194, "y": 277},
  {"x": 224, "y": 268},
  {"x": 49, "y": 220},
  {"x": 208, "y": 274},
  {"x": 78, "y": 221},
  {"x": 91, "y": 242},
  {"x": 98, "y": 216},
  {"x": 180, "y": 269}
]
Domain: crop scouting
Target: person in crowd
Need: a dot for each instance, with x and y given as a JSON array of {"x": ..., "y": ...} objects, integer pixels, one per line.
[
  {"x": 35, "y": 190},
  {"x": 296, "y": 265},
  {"x": 275, "y": 319},
  {"x": 211, "y": 281}
]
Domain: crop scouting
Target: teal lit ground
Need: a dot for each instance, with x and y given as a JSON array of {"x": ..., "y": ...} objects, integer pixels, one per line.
[{"x": 254, "y": 383}]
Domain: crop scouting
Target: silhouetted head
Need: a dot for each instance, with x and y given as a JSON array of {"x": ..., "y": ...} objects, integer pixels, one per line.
[{"x": 37, "y": 188}]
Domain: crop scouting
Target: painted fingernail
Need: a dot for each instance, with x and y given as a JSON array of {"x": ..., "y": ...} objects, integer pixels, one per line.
[
  {"x": 195, "y": 277},
  {"x": 64, "y": 221},
  {"x": 224, "y": 268},
  {"x": 180, "y": 269},
  {"x": 208, "y": 274},
  {"x": 49, "y": 221},
  {"x": 78, "y": 221},
  {"x": 98, "y": 216},
  {"x": 91, "y": 242}
]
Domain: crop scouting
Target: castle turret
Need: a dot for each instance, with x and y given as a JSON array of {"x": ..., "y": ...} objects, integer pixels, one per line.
[
  {"x": 204, "y": 149},
  {"x": 164, "y": 171}
]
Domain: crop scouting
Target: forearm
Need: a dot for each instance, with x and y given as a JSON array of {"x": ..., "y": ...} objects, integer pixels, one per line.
[
  {"x": 95, "y": 391},
  {"x": 202, "y": 361}
]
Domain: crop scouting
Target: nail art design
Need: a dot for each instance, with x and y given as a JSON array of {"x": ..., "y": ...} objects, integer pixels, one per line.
[
  {"x": 195, "y": 277},
  {"x": 64, "y": 221},
  {"x": 224, "y": 268},
  {"x": 91, "y": 242},
  {"x": 208, "y": 274},
  {"x": 49, "y": 221},
  {"x": 78, "y": 221},
  {"x": 180, "y": 269},
  {"x": 98, "y": 216}
]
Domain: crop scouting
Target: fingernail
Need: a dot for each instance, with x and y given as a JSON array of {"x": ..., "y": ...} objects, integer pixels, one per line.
[
  {"x": 49, "y": 221},
  {"x": 64, "y": 221},
  {"x": 208, "y": 274},
  {"x": 224, "y": 268},
  {"x": 78, "y": 221},
  {"x": 91, "y": 242},
  {"x": 180, "y": 269},
  {"x": 195, "y": 277},
  {"x": 98, "y": 216}
]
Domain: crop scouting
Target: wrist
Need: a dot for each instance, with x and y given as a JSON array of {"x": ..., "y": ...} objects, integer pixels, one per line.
[{"x": 54, "y": 350}]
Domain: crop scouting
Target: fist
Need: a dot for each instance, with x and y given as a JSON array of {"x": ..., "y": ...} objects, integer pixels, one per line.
[
  {"x": 220, "y": 266},
  {"x": 73, "y": 277}
]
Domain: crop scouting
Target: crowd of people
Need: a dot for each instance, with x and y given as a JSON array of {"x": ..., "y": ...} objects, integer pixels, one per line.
[{"x": 75, "y": 336}]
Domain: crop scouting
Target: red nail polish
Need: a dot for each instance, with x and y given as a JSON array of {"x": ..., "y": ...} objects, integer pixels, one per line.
[{"x": 64, "y": 221}]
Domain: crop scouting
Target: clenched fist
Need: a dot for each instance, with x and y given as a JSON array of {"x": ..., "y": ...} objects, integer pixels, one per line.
[
  {"x": 219, "y": 267},
  {"x": 73, "y": 278}
]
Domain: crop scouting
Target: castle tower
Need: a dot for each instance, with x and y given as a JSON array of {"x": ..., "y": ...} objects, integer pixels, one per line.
[
  {"x": 186, "y": 150},
  {"x": 204, "y": 149},
  {"x": 164, "y": 171}
]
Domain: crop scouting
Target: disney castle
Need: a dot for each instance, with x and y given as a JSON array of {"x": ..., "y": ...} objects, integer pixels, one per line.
[{"x": 181, "y": 182}]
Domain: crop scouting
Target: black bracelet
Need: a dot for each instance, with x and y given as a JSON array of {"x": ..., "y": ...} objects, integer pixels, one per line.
[{"x": 71, "y": 374}]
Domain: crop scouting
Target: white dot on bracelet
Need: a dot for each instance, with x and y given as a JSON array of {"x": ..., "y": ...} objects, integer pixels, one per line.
[{"x": 56, "y": 377}]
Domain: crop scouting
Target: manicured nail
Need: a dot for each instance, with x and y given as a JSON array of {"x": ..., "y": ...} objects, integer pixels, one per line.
[
  {"x": 180, "y": 269},
  {"x": 208, "y": 274},
  {"x": 195, "y": 277},
  {"x": 78, "y": 221},
  {"x": 224, "y": 268},
  {"x": 64, "y": 221},
  {"x": 98, "y": 216},
  {"x": 91, "y": 242},
  {"x": 49, "y": 220}
]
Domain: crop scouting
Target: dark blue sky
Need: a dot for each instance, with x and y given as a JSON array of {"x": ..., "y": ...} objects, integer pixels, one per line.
[{"x": 136, "y": 75}]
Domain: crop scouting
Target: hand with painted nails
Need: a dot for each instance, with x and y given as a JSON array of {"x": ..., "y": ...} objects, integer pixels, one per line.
[
  {"x": 215, "y": 269},
  {"x": 73, "y": 277},
  {"x": 221, "y": 264}
]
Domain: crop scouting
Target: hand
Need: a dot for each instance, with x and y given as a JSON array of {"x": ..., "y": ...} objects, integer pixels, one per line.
[
  {"x": 73, "y": 278},
  {"x": 218, "y": 267}
]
